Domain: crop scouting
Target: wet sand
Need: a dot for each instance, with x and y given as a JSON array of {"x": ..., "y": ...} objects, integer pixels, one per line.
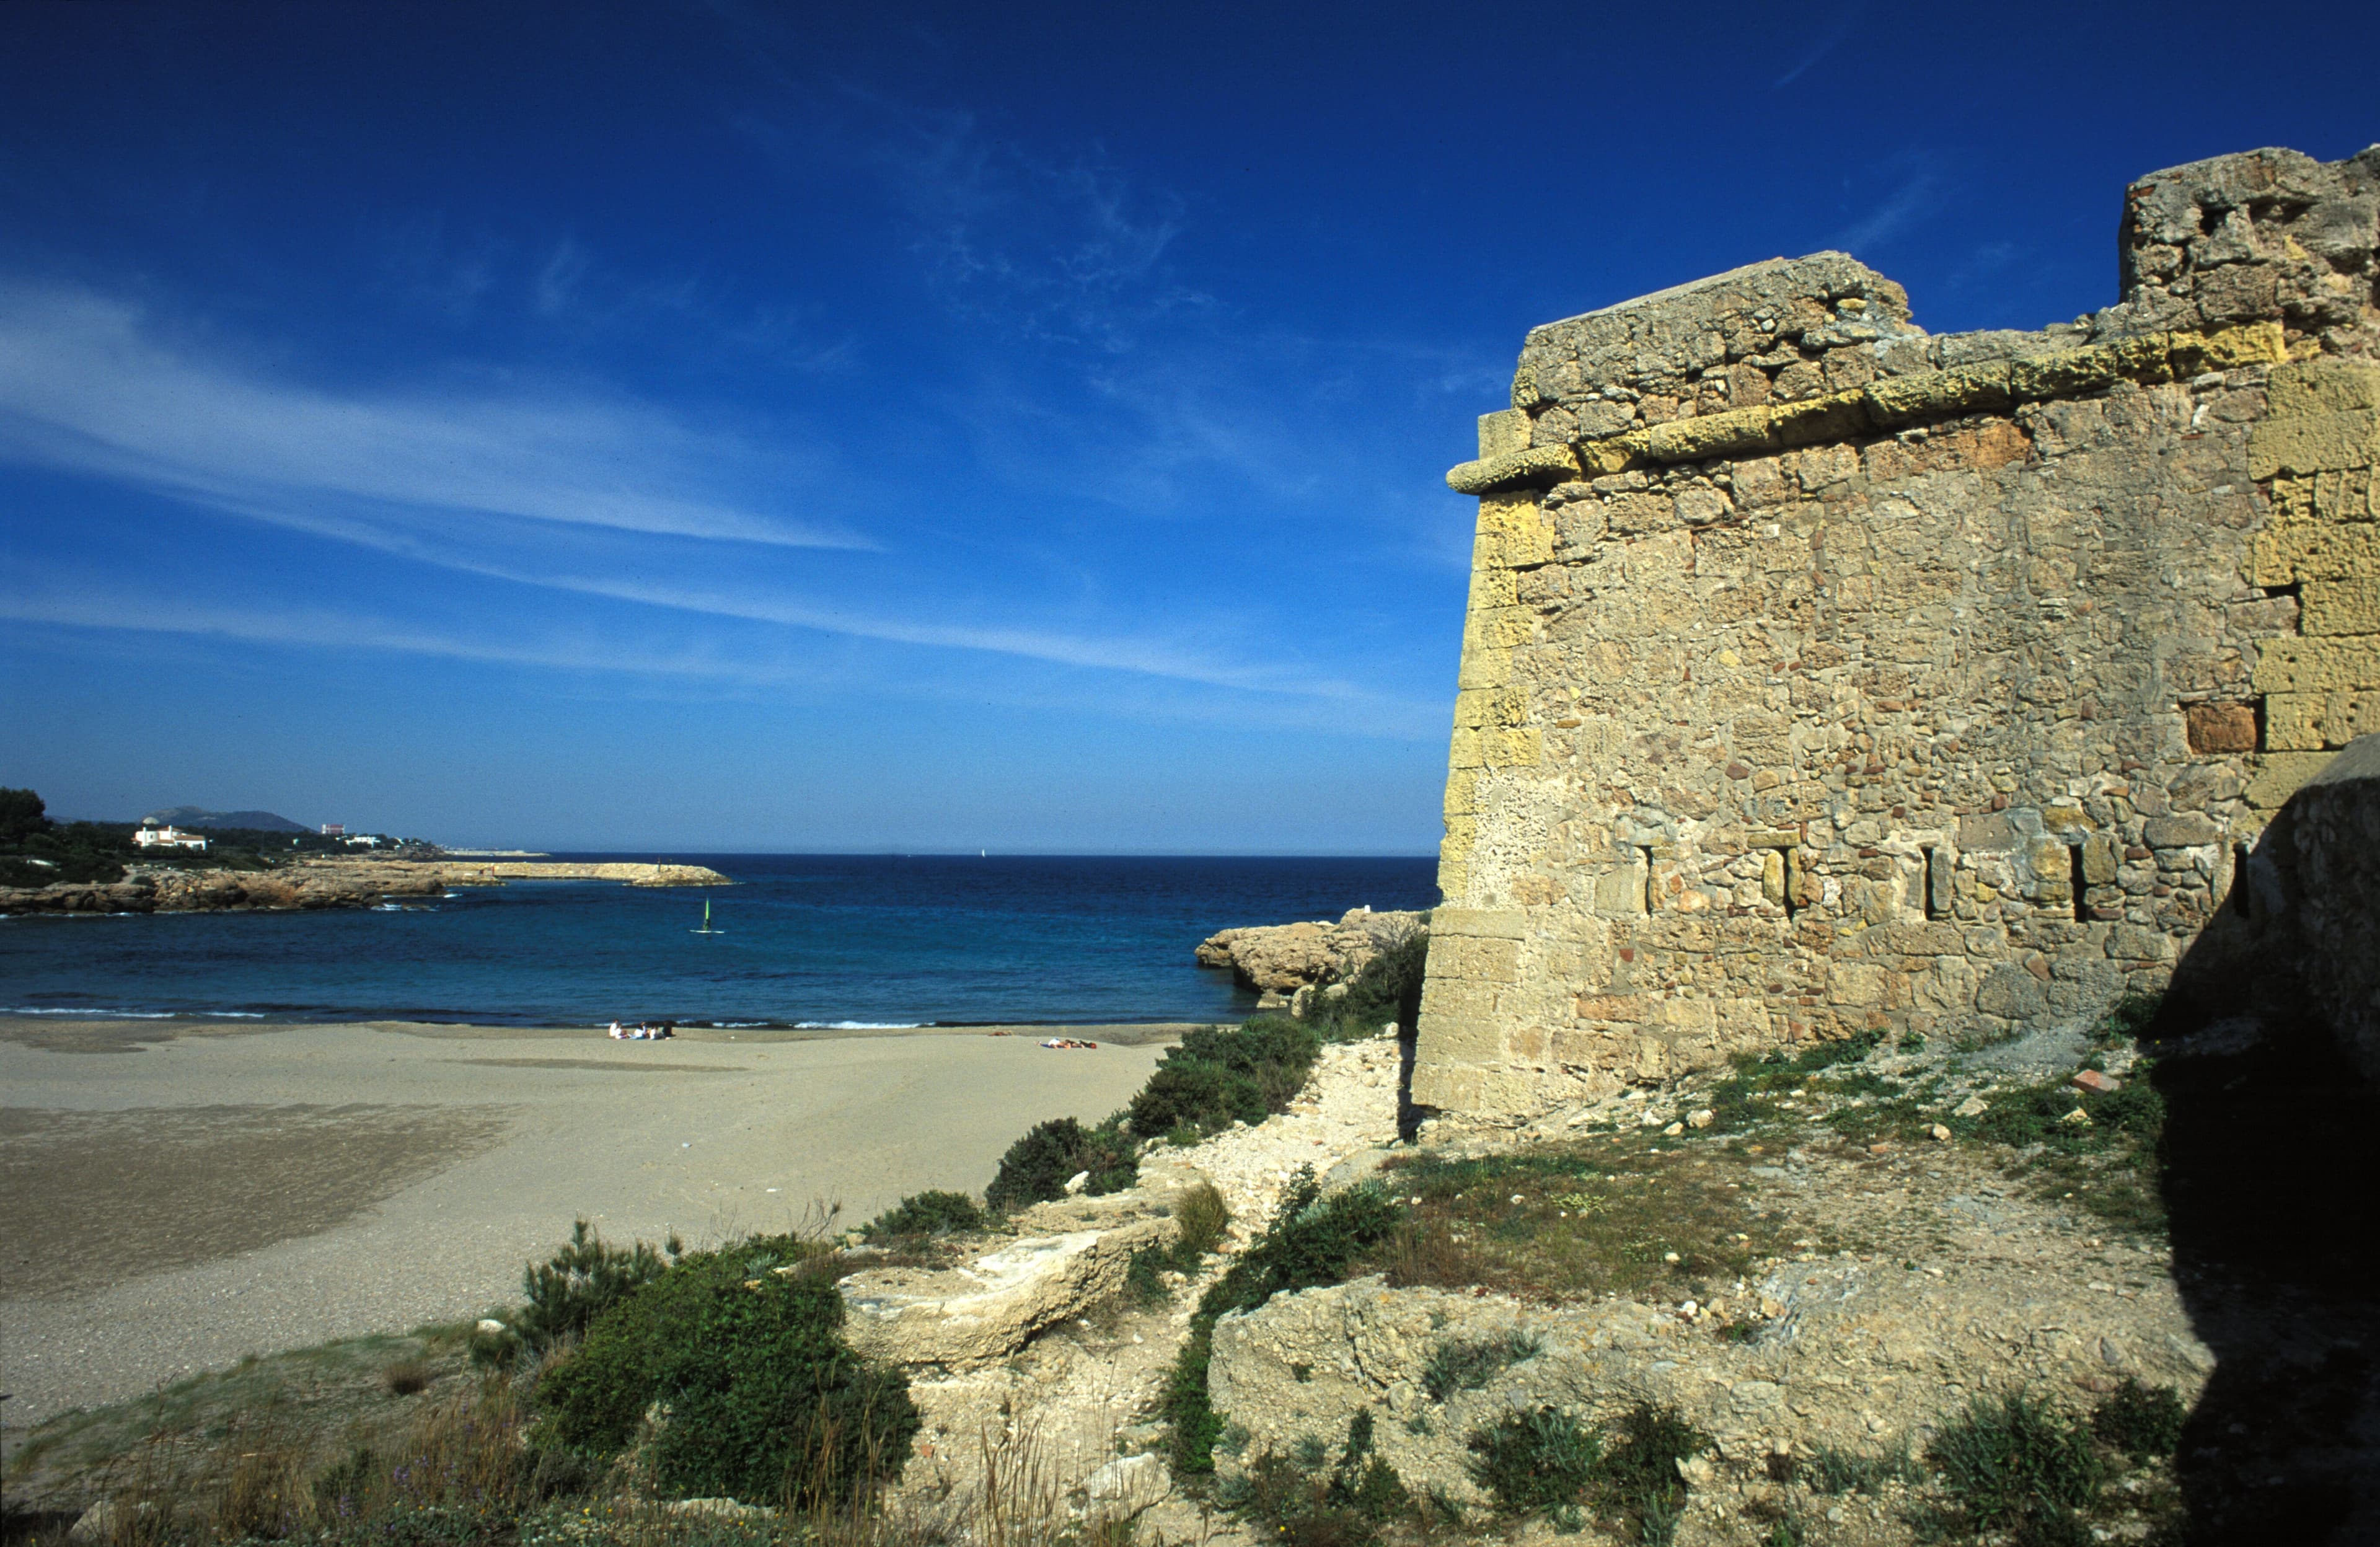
[{"x": 177, "y": 1194}]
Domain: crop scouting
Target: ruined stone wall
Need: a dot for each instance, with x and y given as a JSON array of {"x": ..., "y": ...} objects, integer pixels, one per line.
[{"x": 1823, "y": 676}]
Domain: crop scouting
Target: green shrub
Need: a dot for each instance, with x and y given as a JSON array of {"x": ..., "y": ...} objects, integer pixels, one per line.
[
  {"x": 578, "y": 1283},
  {"x": 926, "y": 1213},
  {"x": 1548, "y": 1461},
  {"x": 2016, "y": 1464},
  {"x": 764, "y": 1401},
  {"x": 1216, "y": 1075},
  {"x": 1460, "y": 1364},
  {"x": 1036, "y": 1167},
  {"x": 2144, "y": 1422},
  {"x": 1311, "y": 1242}
]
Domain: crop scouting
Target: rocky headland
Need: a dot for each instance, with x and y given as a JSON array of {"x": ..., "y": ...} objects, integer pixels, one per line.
[
  {"x": 312, "y": 885},
  {"x": 1282, "y": 958}
]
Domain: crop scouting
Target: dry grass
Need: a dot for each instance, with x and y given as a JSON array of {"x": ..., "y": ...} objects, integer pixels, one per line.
[{"x": 407, "y": 1378}]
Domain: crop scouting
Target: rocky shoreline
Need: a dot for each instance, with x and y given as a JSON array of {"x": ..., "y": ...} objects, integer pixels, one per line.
[{"x": 307, "y": 886}]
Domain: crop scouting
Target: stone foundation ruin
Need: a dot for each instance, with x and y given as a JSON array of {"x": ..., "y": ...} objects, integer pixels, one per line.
[{"x": 1822, "y": 676}]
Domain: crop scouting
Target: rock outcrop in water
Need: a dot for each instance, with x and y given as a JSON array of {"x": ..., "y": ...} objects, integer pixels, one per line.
[{"x": 1282, "y": 958}]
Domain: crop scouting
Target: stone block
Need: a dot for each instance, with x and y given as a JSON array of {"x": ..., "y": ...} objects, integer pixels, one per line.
[
  {"x": 1620, "y": 892},
  {"x": 2011, "y": 992},
  {"x": 2188, "y": 830},
  {"x": 2221, "y": 728},
  {"x": 2280, "y": 776},
  {"x": 1989, "y": 833},
  {"x": 2310, "y": 721},
  {"x": 1854, "y": 983},
  {"x": 1478, "y": 923},
  {"x": 2099, "y": 859},
  {"x": 1772, "y": 877},
  {"x": 2322, "y": 387},
  {"x": 2341, "y": 607},
  {"x": 2352, "y": 494},
  {"x": 2286, "y": 554},
  {"x": 1512, "y": 748},
  {"x": 2314, "y": 443},
  {"x": 1474, "y": 959},
  {"x": 1773, "y": 837},
  {"x": 2287, "y": 666},
  {"x": 1707, "y": 435},
  {"x": 1484, "y": 665},
  {"x": 1503, "y": 432},
  {"x": 2135, "y": 943}
]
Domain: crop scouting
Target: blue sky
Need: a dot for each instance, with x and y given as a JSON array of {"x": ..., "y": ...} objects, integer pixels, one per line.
[{"x": 725, "y": 426}]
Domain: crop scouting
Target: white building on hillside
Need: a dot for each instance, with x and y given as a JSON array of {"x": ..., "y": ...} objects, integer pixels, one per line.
[{"x": 153, "y": 835}]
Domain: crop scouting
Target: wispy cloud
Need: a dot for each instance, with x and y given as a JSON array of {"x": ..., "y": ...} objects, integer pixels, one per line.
[
  {"x": 86, "y": 386},
  {"x": 689, "y": 663},
  {"x": 1916, "y": 193},
  {"x": 1062, "y": 248},
  {"x": 1824, "y": 45}
]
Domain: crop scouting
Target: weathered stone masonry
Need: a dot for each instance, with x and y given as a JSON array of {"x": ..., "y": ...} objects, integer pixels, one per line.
[{"x": 1821, "y": 675}]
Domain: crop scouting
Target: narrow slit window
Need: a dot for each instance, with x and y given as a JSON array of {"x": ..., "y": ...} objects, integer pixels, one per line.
[
  {"x": 2239, "y": 888},
  {"x": 2074, "y": 863}
]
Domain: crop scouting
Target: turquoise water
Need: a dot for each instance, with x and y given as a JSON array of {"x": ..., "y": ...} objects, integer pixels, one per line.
[{"x": 810, "y": 940}]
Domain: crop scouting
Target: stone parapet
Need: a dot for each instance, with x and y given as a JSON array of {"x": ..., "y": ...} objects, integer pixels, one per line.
[{"x": 1824, "y": 677}]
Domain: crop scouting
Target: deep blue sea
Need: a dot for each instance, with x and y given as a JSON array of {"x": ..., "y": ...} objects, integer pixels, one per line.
[{"x": 870, "y": 939}]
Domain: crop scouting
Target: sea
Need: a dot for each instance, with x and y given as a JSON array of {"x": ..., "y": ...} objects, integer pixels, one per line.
[{"x": 806, "y": 940}]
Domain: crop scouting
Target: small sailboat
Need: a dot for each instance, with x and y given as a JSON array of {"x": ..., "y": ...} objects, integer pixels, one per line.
[{"x": 706, "y": 922}]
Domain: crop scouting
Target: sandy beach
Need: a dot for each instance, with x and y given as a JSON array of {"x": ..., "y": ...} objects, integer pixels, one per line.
[{"x": 177, "y": 1194}]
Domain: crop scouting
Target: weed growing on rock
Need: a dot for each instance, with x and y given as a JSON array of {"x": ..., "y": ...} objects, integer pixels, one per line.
[
  {"x": 1533, "y": 1461},
  {"x": 2144, "y": 1422},
  {"x": 924, "y": 1215},
  {"x": 1311, "y": 1242},
  {"x": 1306, "y": 1505},
  {"x": 1834, "y": 1472},
  {"x": 2019, "y": 1465},
  {"x": 1460, "y": 1364}
]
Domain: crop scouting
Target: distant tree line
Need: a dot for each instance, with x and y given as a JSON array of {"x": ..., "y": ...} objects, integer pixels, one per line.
[{"x": 36, "y": 851}]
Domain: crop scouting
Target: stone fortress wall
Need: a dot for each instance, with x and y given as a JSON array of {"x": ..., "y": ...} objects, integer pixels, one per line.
[{"x": 1821, "y": 675}]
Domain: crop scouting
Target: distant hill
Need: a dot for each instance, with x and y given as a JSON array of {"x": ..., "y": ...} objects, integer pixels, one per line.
[{"x": 199, "y": 816}]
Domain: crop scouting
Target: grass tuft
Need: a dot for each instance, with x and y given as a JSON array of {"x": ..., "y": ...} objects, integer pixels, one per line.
[
  {"x": 1462, "y": 1364},
  {"x": 2018, "y": 1464},
  {"x": 2144, "y": 1422}
]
